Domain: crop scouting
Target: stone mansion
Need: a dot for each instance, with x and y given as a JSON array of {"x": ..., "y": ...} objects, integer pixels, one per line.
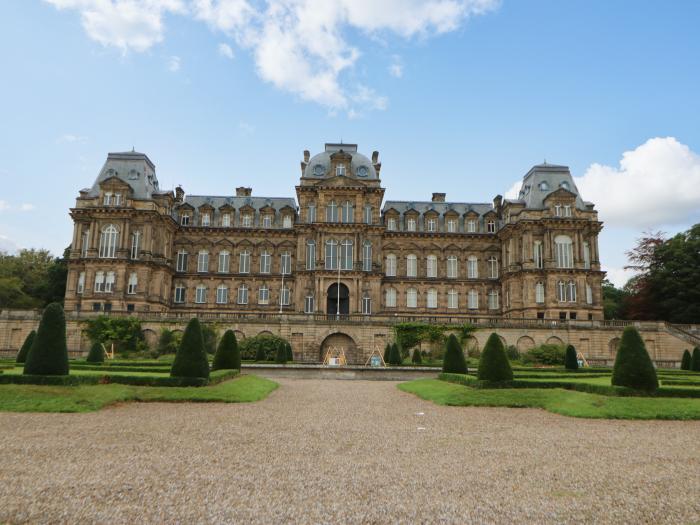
[{"x": 339, "y": 249}]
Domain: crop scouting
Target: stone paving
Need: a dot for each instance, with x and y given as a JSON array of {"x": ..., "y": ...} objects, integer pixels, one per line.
[{"x": 344, "y": 452}]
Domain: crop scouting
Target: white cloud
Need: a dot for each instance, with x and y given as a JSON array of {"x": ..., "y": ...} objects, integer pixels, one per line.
[
  {"x": 245, "y": 128},
  {"x": 6, "y": 206},
  {"x": 298, "y": 45},
  {"x": 658, "y": 183},
  {"x": 514, "y": 191},
  {"x": 226, "y": 51},
  {"x": 25, "y": 206},
  {"x": 69, "y": 137},
  {"x": 174, "y": 64},
  {"x": 396, "y": 70},
  {"x": 619, "y": 276}
]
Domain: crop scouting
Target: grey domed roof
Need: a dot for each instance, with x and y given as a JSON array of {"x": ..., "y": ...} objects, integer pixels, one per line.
[
  {"x": 132, "y": 167},
  {"x": 319, "y": 165}
]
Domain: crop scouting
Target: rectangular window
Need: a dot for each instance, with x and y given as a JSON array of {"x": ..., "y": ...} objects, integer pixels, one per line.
[
  {"x": 286, "y": 264},
  {"x": 311, "y": 214},
  {"x": 201, "y": 295},
  {"x": 390, "y": 298},
  {"x": 471, "y": 226},
  {"x": 346, "y": 255},
  {"x": 264, "y": 295},
  {"x": 367, "y": 305},
  {"x": 452, "y": 268},
  {"x": 179, "y": 294},
  {"x": 432, "y": 299},
  {"x": 224, "y": 262},
  {"x": 557, "y": 210},
  {"x": 451, "y": 226},
  {"x": 567, "y": 211},
  {"x": 539, "y": 293},
  {"x": 348, "y": 213},
  {"x": 411, "y": 225},
  {"x": 81, "y": 283},
  {"x": 287, "y": 221},
  {"x": 247, "y": 220},
  {"x": 368, "y": 214},
  {"x": 117, "y": 199},
  {"x": 493, "y": 268},
  {"x": 432, "y": 225},
  {"x": 411, "y": 298},
  {"x": 226, "y": 220},
  {"x": 181, "y": 262},
  {"x": 244, "y": 263},
  {"x": 222, "y": 295},
  {"x": 310, "y": 255},
  {"x": 109, "y": 282},
  {"x": 367, "y": 257},
  {"x": 332, "y": 212},
  {"x": 243, "y": 295},
  {"x": 107, "y": 200},
  {"x": 586, "y": 255},
  {"x": 284, "y": 296},
  {"x": 472, "y": 268},
  {"x": 331, "y": 255},
  {"x": 267, "y": 221},
  {"x": 411, "y": 266},
  {"x": 589, "y": 294},
  {"x": 390, "y": 269},
  {"x": 133, "y": 282},
  {"x": 85, "y": 245},
  {"x": 473, "y": 300},
  {"x": 431, "y": 266},
  {"x": 185, "y": 220},
  {"x": 493, "y": 300},
  {"x": 203, "y": 262},
  {"x": 265, "y": 262},
  {"x": 135, "y": 241},
  {"x": 452, "y": 299},
  {"x": 309, "y": 304},
  {"x": 491, "y": 226},
  {"x": 537, "y": 255},
  {"x": 391, "y": 224},
  {"x": 206, "y": 219}
]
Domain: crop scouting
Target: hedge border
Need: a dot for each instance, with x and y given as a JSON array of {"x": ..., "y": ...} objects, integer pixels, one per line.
[
  {"x": 166, "y": 381},
  {"x": 579, "y": 387}
]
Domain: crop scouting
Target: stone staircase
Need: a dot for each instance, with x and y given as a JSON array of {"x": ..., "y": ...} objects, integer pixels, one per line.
[{"x": 687, "y": 332}]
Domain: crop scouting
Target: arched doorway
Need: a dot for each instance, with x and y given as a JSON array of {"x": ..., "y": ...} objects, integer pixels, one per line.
[
  {"x": 338, "y": 299},
  {"x": 342, "y": 341}
]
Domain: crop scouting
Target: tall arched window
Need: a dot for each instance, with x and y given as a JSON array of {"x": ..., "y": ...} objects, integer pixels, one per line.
[
  {"x": 242, "y": 294},
  {"x": 539, "y": 293},
  {"x": 181, "y": 265},
  {"x": 432, "y": 298},
  {"x": 563, "y": 249},
  {"x": 431, "y": 267},
  {"x": 366, "y": 304},
  {"x": 411, "y": 266},
  {"x": 452, "y": 267},
  {"x": 132, "y": 284},
  {"x": 263, "y": 295},
  {"x": 346, "y": 255},
  {"x": 571, "y": 291},
  {"x": 473, "y": 300},
  {"x": 390, "y": 269},
  {"x": 586, "y": 255},
  {"x": 537, "y": 254},
  {"x": 135, "y": 245},
  {"x": 310, "y": 254},
  {"x": 589, "y": 294},
  {"x": 286, "y": 263},
  {"x": 472, "y": 267},
  {"x": 108, "y": 242},
  {"x": 367, "y": 256},
  {"x": 452, "y": 299},
  {"x": 390, "y": 298},
  {"x": 411, "y": 298},
  {"x": 331, "y": 254},
  {"x": 493, "y": 300},
  {"x": 224, "y": 261}
]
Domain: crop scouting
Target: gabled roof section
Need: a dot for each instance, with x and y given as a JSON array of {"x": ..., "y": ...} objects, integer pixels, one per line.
[
  {"x": 239, "y": 202},
  {"x": 131, "y": 167},
  {"x": 439, "y": 207}
]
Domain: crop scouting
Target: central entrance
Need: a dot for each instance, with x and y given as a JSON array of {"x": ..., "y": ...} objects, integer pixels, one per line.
[{"x": 338, "y": 299}]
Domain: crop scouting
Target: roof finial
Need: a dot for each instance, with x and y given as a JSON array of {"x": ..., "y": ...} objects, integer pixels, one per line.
[
  {"x": 133, "y": 149},
  {"x": 545, "y": 162}
]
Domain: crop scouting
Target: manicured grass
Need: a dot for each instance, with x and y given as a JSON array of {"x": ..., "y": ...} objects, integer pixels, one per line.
[
  {"x": 559, "y": 401},
  {"x": 34, "y": 398}
]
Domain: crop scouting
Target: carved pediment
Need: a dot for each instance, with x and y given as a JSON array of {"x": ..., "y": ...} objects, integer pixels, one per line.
[{"x": 340, "y": 180}]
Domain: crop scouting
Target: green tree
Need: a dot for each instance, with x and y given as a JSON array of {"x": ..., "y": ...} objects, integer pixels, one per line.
[
  {"x": 22, "y": 354},
  {"x": 416, "y": 359},
  {"x": 494, "y": 365},
  {"x": 395, "y": 355},
  {"x": 633, "y": 367},
  {"x": 454, "y": 361},
  {"x": 96, "y": 353},
  {"x": 49, "y": 353},
  {"x": 614, "y": 300},
  {"x": 261, "y": 354},
  {"x": 191, "y": 359},
  {"x": 167, "y": 342},
  {"x": 32, "y": 279},
  {"x": 124, "y": 332},
  {"x": 227, "y": 354},
  {"x": 686, "y": 361},
  {"x": 695, "y": 360},
  {"x": 570, "y": 360}
]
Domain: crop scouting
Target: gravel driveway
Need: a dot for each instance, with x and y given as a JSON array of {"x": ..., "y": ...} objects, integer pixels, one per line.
[{"x": 344, "y": 451}]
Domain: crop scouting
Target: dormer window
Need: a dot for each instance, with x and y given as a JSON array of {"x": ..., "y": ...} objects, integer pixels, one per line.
[
  {"x": 287, "y": 221},
  {"x": 226, "y": 220},
  {"x": 391, "y": 224},
  {"x": 471, "y": 226},
  {"x": 567, "y": 210},
  {"x": 432, "y": 225},
  {"x": 107, "y": 199},
  {"x": 565, "y": 185},
  {"x": 491, "y": 226},
  {"x": 340, "y": 170},
  {"x": 544, "y": 186},
  {"x": 451, "y": 225},
  {"x": 117, "y": 199},
  {"x": 247, "y": 220},
  {"x": 267, "y": 221},
  {"x": 185, "y": 219},
  {"x": 205, "y": 219},
  {"x": 411, "y": 224},
  {"x": 557, "y": 210}
]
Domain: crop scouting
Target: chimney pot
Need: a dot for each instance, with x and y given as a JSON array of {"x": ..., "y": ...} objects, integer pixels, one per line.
[
  {"x": 439, "y": 197},
  {"x": 179, "y": 194},
  {"x": 307, "y": 156},
  {"x": 242, "y": 191},
  {"x": 375, "y": 157}
]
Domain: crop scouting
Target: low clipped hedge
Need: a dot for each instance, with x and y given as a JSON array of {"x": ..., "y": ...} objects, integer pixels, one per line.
[
  {"x": 214, "y": 378},
  {"x": 165, "y": 369}
]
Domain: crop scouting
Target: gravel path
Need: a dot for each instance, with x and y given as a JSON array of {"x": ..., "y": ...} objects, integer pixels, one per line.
[{"x": 344, "y": 451}]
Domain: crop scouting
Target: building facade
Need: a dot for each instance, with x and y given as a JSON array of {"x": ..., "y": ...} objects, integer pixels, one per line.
[{"x": 339, "y": 249}]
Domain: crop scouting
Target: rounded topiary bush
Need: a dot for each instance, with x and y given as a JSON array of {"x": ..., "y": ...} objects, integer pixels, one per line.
[
  {"x": 494, "y": 365},
  {"x": 48, "y": 354},
  {"x": 695, "y": 360},
  {"x": 395, "y": 355},
  {"x": 633, "y": 367},
  {"x": 416, "y": 359},
  {"x": 281, "y": 356},
  {"x": 686, "y": 360},
  {"x": 570, "y": 359},
  {"x": 96, "y": 354},
  {"x": 191, "y": 358},
  {"x": 227, "y": 356},
  {"x": 22, "y": 354},
  {"x": 453, "y": 362},
  {"x": 290, "y": 354}
]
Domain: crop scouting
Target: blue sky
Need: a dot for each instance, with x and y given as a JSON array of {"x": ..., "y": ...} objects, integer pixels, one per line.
[{"x": 460, "y": 96}]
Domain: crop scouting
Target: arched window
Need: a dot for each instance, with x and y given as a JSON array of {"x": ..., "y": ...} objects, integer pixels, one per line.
[
  {"x": 431, "y": 267},
  {"x": 432, "y": 298},
  {"x": 563, "y": 249},
  {"x": 390, "y": 297},
  {"x": 411, "y": 298},
  {"x": 331, "y": 254},
  {"x": 109, "y": 282},
  {"x": 544, "y": 186},
  {"x": 390, "y": 269},
  {"x": 133, "y": 283},
  {"x": 108, "y": 242},
  {"x": 367, "y": 256},
  {"x": 493, "y": 300},
  {"x": 472, "y": 267},
  {"x": 311, "y": 213},
  {"x": 411, "y": 266},
  {"x": 85, "y": 243},
  {"x": 493, "y": 267},
  {"x": 135, "y": 245},
  {"x": 263, "y": 295},
  {"x": 539, "y": 293},
  {"x": 537, "y": 254},
  {"x": 452, "y": 299},
  {"x": 346, "y": 255},
  {"x": 203, "y": 261},
  {"x": 348, "y": 212},
  {"x": 589, "y": 294},
  {"x": 473, "y": 300},
  {"x": 265, "y": 262},
  {"x": 310, "y": 254},
  {"x": 562, "y": 290},
  {"x": 222, "y": 294},
  {"x": 244, "y": 262},
  {"x": 200, "y": 294},
  {"x": 242, "y": 294},
  {"x": 565, "y": 185},
  {"x": 332, "y": 212},
  {"x": 368, "y": 214},
  {"x": 181, "y": 261},
  {"x": 452, "y": 267},
  {"x": 224, "y": 261}
]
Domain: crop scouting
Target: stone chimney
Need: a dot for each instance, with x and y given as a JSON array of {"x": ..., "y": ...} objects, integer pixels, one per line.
[
  {"x": 497, "y": 203},
  {"x": 179, "y": 194},
  {"x": 375, "y": 157},
  {"x": 439, "y": 197},
  {"x": 242, "y": 191},
  {"x": 307, "y": 156}
]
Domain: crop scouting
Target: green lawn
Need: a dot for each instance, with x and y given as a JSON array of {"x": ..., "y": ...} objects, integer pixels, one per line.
[
  {"x": 559, "y": 401},
  {"x": 34, "y": 398}
]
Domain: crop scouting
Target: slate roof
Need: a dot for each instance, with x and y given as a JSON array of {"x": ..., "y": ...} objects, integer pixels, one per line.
[
  {"x": 440, "y": 207},
  {"x": 553, "y": 176},
  {"x": 132, "y": 167},
  {"x": 319, "y": 165},
  {"x": 239, "y": 202}
]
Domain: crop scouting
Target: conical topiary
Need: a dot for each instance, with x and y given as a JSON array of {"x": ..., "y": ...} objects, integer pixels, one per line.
[
  {"x": 494, "y": 365},
  {"x": 191, "y": 358},
  {"x": 22, "y": 354},
  {"x": 454, "y": 361},
  {"x": 395, "y": 355},
  {"x": 686, "y": 361},
  {"x": 290, "y": 354},
  {"x": 416, "y": 359},
  {"x": 695, "y": 360},
  {"x": 260, "y": 354},
  {"x": 281, "y": 355},
  {"x": 387, "y": 351},
  {"x": 48, "y": 354},
  {"x": 96, "y": 354},
  {"x": 633, "y": 367},
  {"x": 570, "y": 359},
  {"x": 227, "y": 356}
]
